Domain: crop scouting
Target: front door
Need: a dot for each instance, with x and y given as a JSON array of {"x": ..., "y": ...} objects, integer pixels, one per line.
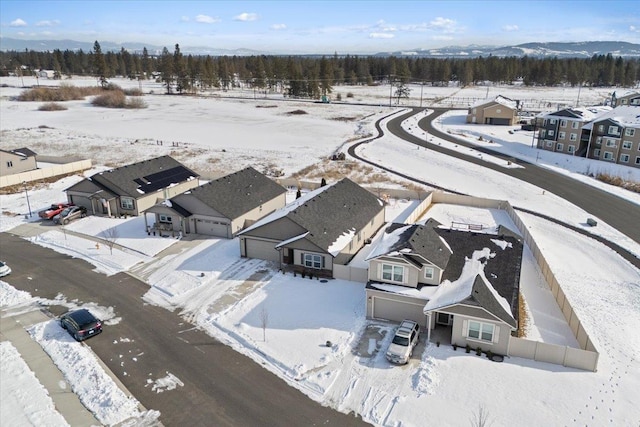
[
  {"x": 444, "y": 319},
  {"x": 287, "y": 256}
]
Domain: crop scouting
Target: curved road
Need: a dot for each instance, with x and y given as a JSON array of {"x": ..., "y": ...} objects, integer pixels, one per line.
[
  {"x": 615, "y": 211},
  {"x": 221, "y": 387}
]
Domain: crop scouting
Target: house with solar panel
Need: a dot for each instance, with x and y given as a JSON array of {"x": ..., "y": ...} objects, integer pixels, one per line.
[{"x": 130, "y": 190}]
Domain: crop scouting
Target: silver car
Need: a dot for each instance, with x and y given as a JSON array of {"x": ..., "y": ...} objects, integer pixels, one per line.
[
  {"x": 404, "y": 340},
  {"x": 5, "y": 270},
  {"x": 69, "y": 214}
]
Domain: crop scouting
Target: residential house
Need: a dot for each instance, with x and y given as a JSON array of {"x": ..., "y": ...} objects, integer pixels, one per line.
[
  {"x": 562, "y": 131},
  {"x": 322, "y": 228},
  {"x": 615, "y": 136},
  {"x": 466, "y": 283},
  {"x": 631, "y": 97},
  {"x": 498, "y": 111},
  {"x": 221, "y": 207},
  {"x": 16, "y": 161},
  {"x": 132, "y": 189}
]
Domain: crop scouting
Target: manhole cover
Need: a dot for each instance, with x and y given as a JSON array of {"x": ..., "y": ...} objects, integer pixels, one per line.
[
  {"x": 497, "y": 358},
  {"x": 323, "y": 281}
]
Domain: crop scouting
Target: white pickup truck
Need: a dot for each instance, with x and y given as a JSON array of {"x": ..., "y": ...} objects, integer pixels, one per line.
[{"x": 405, "y": 339}]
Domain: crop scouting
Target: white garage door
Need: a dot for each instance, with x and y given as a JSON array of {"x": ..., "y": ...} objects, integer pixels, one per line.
[
  {"x": 212, "y": 228},
  {"x": 398, "y": 311},
  {"x": 262, "y": 250}
]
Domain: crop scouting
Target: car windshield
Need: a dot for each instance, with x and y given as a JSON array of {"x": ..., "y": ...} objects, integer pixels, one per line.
[
  {"x": 66, "y": 212},
  {"x": 401, "y": 340}
]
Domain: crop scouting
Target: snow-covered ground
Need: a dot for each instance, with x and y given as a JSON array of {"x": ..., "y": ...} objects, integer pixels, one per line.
[{"x": 444, "y": 386}]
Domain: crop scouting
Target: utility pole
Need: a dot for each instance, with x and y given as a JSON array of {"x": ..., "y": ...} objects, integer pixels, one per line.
[
  {"x": 390, "y": 89},
  {"x": 27, "y": 195}
]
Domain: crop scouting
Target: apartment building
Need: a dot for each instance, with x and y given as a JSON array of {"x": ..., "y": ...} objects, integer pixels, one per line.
[
  {"x": 615, "y": 136},
  {"x": 562, "y": 131}
]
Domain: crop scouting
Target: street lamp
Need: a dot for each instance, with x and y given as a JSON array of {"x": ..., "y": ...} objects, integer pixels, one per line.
[{"x": 27, "y": 195}]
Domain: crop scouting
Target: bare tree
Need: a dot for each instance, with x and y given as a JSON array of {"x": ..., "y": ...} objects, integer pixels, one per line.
[
  {"x": 481, "y": 418},
  {"x": 264, "y": 321},
  {"x": 110, "y": 237}
]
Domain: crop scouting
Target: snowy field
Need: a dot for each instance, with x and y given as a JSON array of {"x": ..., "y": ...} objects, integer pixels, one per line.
[{"x": 443, "y": 386}]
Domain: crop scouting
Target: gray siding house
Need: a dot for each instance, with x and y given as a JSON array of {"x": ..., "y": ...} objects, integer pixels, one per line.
[
  {"x": 463, "y": 282},
  {"x": 16, "y": 161},
  {"x": 324, "y": 227},
  {"x": 221, "y": 207},
  {"x": 132, "y": 189}
]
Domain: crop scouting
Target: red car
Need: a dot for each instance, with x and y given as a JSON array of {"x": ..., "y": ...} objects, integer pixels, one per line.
[{"x": 53, "y": 210}]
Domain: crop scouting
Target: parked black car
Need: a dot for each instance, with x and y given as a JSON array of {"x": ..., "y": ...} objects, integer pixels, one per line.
[{"x": 81, "y": 324}]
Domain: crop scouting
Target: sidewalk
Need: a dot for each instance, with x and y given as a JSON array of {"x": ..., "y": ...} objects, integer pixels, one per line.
[{"x": 67, "y": 403}]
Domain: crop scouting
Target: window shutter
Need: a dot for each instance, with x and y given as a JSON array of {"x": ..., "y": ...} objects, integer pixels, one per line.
[
  {"x": 496, "y": 333},
  {"x": 465, "y": 331},
  {"x": 301, "y": 258},
  {"x": 322, "y": 261}
]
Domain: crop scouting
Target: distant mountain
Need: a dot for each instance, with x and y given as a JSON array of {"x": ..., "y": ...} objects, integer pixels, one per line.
[
  {"x": 7, "y": 43},
  {"x": 538, "y": 50}
]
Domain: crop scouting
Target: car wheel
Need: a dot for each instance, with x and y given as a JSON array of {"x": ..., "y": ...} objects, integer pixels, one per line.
[{"x": 76, "y": 337}]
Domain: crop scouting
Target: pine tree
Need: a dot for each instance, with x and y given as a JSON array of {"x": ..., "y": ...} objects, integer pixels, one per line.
[
  {"x": 99, "y": 65},
  {"x": 166, "y": 69}
]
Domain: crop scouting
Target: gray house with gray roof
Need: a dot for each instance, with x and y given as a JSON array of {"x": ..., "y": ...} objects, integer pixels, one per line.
[
  {"x": 465, "y": 282},
  {"x": 134, "y": 188},
  {"x": 324, "y": 227},
  {"x": 221, "y": 207}
]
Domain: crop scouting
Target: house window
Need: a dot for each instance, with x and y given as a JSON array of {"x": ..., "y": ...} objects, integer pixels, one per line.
[
  {"x": 637, "y": 160},
  {"x": 571, "y": 148},
  {"x": 563, "y": 123},
  {"x": 126, "y": 203},
  {"x": 428, "y": 273},
  {"x": 9, "y": 164},
  {"x": 608, "y": 155},
  {"x": 613, "y": 130},
  {"x": 573, "y": 137},
  {"x": 611, "y": 142},
  {"x": 600, "y": 128},
  {"x": 480, "y": 331},
  {"x": 561, "y": 135},
  {"x": 552, "y": 121},
  {"x": 596, "y": 153},
  {"x": 551, "y": 132},
  {"x": 599, "y": 140},
  {"x": 312, "y": 260},
  {"x": 574, "y": 125},
  {"x": 164, "y": 218},
  {"x": 543, "y": 132},
  {"x": 626, "y": 145},
  {"x": 559, "y": 147},
  {"x": 498, "y": 111},
  {"x": 624, "y": 158},
  {"x": 629, "y": 132},
  {"x": 549, "y": 144},
  {"x": 393, "y": 273}
]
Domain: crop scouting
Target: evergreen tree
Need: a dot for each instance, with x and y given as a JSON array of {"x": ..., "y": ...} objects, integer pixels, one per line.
[
  {"x": 166, "y": 69},
  {"x": 99, "y": 65}
]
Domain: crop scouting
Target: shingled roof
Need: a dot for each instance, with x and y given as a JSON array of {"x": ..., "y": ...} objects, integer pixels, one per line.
[
  {"x": 414, "y": 239},
  {"x": 238, "y": 193},
  {"x": 137, "y": 179},
  {"x": 342, "y": 208}
]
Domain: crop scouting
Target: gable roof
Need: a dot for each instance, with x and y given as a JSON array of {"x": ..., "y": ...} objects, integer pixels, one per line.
[
  {"x": 414, "y": 239},
  {"x": 238, "y": 193},
  {"x": 502, "y": 100},
  {"x": 585, "y": 114},
  {"x": 625, "y": 116},
  {"x": 330, "y": 214},
  {"x": 24, "y": 152},
  {"x": 138, "y": 179},
  {"x": 497, "y": 259}
]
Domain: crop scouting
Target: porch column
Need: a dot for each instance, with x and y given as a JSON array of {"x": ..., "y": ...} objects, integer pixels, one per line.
[{"x": 429, "y": 327}]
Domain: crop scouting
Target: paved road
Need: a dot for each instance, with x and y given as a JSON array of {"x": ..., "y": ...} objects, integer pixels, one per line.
[
  {"x": 221, "y": 387},
  {"x": 619, "y": 213}
]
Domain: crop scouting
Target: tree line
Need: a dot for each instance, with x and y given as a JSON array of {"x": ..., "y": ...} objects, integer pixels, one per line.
[{"x": 313, "y": 76}]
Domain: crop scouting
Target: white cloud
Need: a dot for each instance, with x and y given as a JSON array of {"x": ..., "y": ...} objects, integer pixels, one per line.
[
  {"x": 383, "y": 26},
  {"x": 47, "y": 23},
  {"x": 446, "y": 25},
  {"x": 278, "y": 27},
  {"x": 634, "y": 29},
  {"x": 206, "y": 19},
  {"x": 18, "y": 23},
  {"x": 246, "y": 17},
  {"x": 381, "y": 36},
  {"x": 510, "y": 28},
  {"x": 442, "y": 38},
  {"x": 184, "y": 18}
]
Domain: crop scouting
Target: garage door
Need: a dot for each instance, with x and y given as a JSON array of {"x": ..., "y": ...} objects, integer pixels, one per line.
[
  {"x": 83, "y": 201},
  {"x": 212, "y": 228},
  {"x": 397, "y": 311},
  {"x": 262, "y": 250}
]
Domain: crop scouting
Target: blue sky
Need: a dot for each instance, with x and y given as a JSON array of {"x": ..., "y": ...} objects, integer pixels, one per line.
[{"x": 321, "y": 26}]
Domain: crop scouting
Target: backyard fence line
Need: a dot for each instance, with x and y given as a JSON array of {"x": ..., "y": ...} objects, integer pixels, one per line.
[{"x": 48, "y": 172}]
